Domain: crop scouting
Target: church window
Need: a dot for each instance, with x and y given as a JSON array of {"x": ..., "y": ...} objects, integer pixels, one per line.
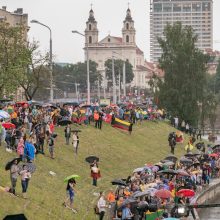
[
  {"x": 90, "y": 39},
  {"x": 127, "y": 26},
  {"x": 127, "y": 39},
  {"x": 109, "y": 39},
  {"x": 90, "y": 27}
]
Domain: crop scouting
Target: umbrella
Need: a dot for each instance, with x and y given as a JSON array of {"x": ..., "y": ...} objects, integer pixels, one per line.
[
  {"x": 31, "y": 167},
  {"x": 127, "y": 201},
  {"x": 216, "y": 146},
  {"x": 171, "y": 158},
  {"x": 8, "y": 125},
  {"x": 91, "y": 159},
  {"x": 140, "y": 194},
  {"x": 151, "y": 185},
  {"x": 182, "y": 172},
  {"x": 119, "y": 182},
  {"x": 169, "y": 163},
  {"x": 171, "y": 219},
  {"x": 4, "y": 114},
  {"x": 64, "y": 122},
  {"x": 190, "y": 154},
  {"x": 137, "y": 170},
  {"x": 185, "y": 160},
  {"x": 9, "y": 164},
  {"x": 167, "y": 171},
  {"x": 152, "y": 191},
  {"x": 213, "y": 155},
  {"x": 74, "y": 176},
  {"x": 163, "y": 194},
  {"x": 186, "y": 192},
  {"x": 155, "y": 168},
  {"x": 164, "y": 161},
  {"x": 199, "y": 145}
]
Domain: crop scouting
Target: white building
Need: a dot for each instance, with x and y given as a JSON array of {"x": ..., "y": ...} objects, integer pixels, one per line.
[
  {"x": 195, "y": 13},
  {"x": 123, "y": 47}
]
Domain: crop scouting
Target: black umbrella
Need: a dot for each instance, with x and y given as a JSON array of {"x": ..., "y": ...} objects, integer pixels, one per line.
[
  {"x": 190, "y": 155},
  {"x": 31, "y": 167},
  {"x": 216, "y": 146},
  {"x": 127, "y": 201},
  {"x": 118, "y": 182},
  {"x": 168, "y": 171},
  {"x": 200, "y": 145},
  {"x": 90, "y": 159},
  {"x": 64, "y": 122},
  {"x": 186, "y": 161},
  {"x": 9, "y": 164},
  {"x": 171, "y": 158},
  {"x": 15, "y": 217}
]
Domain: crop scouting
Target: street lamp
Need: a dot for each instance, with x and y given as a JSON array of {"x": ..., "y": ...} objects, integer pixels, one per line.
[
  {"x": 87, "y": 62},
  {"x": 51, "y": 61}
]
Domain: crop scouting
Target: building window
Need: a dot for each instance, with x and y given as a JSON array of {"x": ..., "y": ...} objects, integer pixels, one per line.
[
  {"x": 90, "y": 39},
  {"x": 90, "y": 27},
  {"x": 109, "y": 39},
  {"x": 127, "y": 26},
  {"x": 127, "y": 39}
]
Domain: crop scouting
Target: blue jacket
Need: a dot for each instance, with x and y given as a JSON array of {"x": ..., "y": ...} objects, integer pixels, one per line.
[{"x": 29, "y": 150}]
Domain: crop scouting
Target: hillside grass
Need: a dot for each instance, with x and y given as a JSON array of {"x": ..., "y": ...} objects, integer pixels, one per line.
[{"x": 119, "y": 153}]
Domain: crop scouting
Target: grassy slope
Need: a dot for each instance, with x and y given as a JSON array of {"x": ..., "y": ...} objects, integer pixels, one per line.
[{"x": 120, "y": 153}]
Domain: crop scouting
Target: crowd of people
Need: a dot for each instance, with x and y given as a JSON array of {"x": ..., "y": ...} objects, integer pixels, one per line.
[
  {"x": 157, "y": 190},
  {"x": 29, "y": 128}
]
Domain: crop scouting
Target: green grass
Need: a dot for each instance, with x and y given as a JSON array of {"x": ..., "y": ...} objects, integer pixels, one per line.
[{"x": 119, "y": 154}]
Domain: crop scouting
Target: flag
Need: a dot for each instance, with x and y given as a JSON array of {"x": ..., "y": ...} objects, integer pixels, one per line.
[{"x": 117, "y": 123}]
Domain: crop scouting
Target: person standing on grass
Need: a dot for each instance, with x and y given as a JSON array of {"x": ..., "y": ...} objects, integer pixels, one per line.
[
  {"x": 75, "y": 142},
  {"x": 51, "y": 141},
  {"x": 67, "y": 132},
  {"x": 25, "y": 177},
  {"x": 102, "y": 206},
  {"x": 14, "y": 175},
  {"x": 70, "y": 190},
  {"x": 95, "y": 172}
]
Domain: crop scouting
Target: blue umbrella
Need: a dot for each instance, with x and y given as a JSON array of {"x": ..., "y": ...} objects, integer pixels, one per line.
[{"x": 4, "y": 114}]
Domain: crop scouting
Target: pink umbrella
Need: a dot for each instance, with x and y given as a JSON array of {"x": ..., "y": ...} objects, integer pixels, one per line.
[{"x": 163, "y": 194}]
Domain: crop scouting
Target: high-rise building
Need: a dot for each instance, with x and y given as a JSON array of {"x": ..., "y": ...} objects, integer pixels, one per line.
[{"x": 195, "y": 13}]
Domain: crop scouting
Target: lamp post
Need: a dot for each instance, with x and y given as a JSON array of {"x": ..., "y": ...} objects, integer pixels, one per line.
[
  {"x": 87, "y": 62},
  {"x": 51, "y": 58}
]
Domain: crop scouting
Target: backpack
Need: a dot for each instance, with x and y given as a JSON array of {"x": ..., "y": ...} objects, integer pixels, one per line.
[
  {"x": 96, "y": 116},
  {"x": 51, "y": 142},
  {"x": 96, "y": 210}
]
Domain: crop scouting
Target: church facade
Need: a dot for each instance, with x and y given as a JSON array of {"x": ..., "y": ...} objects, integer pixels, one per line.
[{"x": 123, "y": 47}]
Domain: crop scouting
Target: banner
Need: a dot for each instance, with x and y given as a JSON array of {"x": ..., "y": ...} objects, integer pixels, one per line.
[{"x": 117, "y": 123}]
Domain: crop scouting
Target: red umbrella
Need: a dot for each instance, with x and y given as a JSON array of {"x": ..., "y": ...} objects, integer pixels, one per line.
[
  {"x": 213, "y": 155},
  {"x": 186, "y": 192},
  {"x": 163, "y": 194},
  {"x": 8, "y": 125}
]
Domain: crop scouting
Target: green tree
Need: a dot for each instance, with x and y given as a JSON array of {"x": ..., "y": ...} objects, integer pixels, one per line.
[
  {"x": 118, "y": 67},
  {"x": 12, "y": 45},
  {"x": 66, "y": 76},
  {"x": 185, "y": 72},
  {"x": 217, "y": 78},
  {"x": 34, "y": 72}
]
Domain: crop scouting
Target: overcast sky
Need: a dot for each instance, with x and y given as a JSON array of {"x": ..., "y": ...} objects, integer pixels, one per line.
[{"x": 66, "y": 15}]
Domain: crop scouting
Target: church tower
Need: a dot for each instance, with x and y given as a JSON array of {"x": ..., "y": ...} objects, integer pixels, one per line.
[
  {"x": 91, "y": 31},
  {"x": 128, "y": 30}
]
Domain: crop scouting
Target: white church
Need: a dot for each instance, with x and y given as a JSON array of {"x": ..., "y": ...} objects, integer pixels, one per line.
[{"x": 124, "y": 47}]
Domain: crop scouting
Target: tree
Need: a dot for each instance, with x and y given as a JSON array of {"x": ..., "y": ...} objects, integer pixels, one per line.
[
  {"x": 34, "y": 71},
  {"x": 67, "y": 76},
  {"x": 185, "y": 72},
  {"x": 12, "y": 46},
  {"x": 217, "y": 78},
  {"x": 118, "y": 67}
]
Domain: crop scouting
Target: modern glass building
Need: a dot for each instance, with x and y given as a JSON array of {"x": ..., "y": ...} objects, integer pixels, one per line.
[{"x": 196, "y": 13}]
